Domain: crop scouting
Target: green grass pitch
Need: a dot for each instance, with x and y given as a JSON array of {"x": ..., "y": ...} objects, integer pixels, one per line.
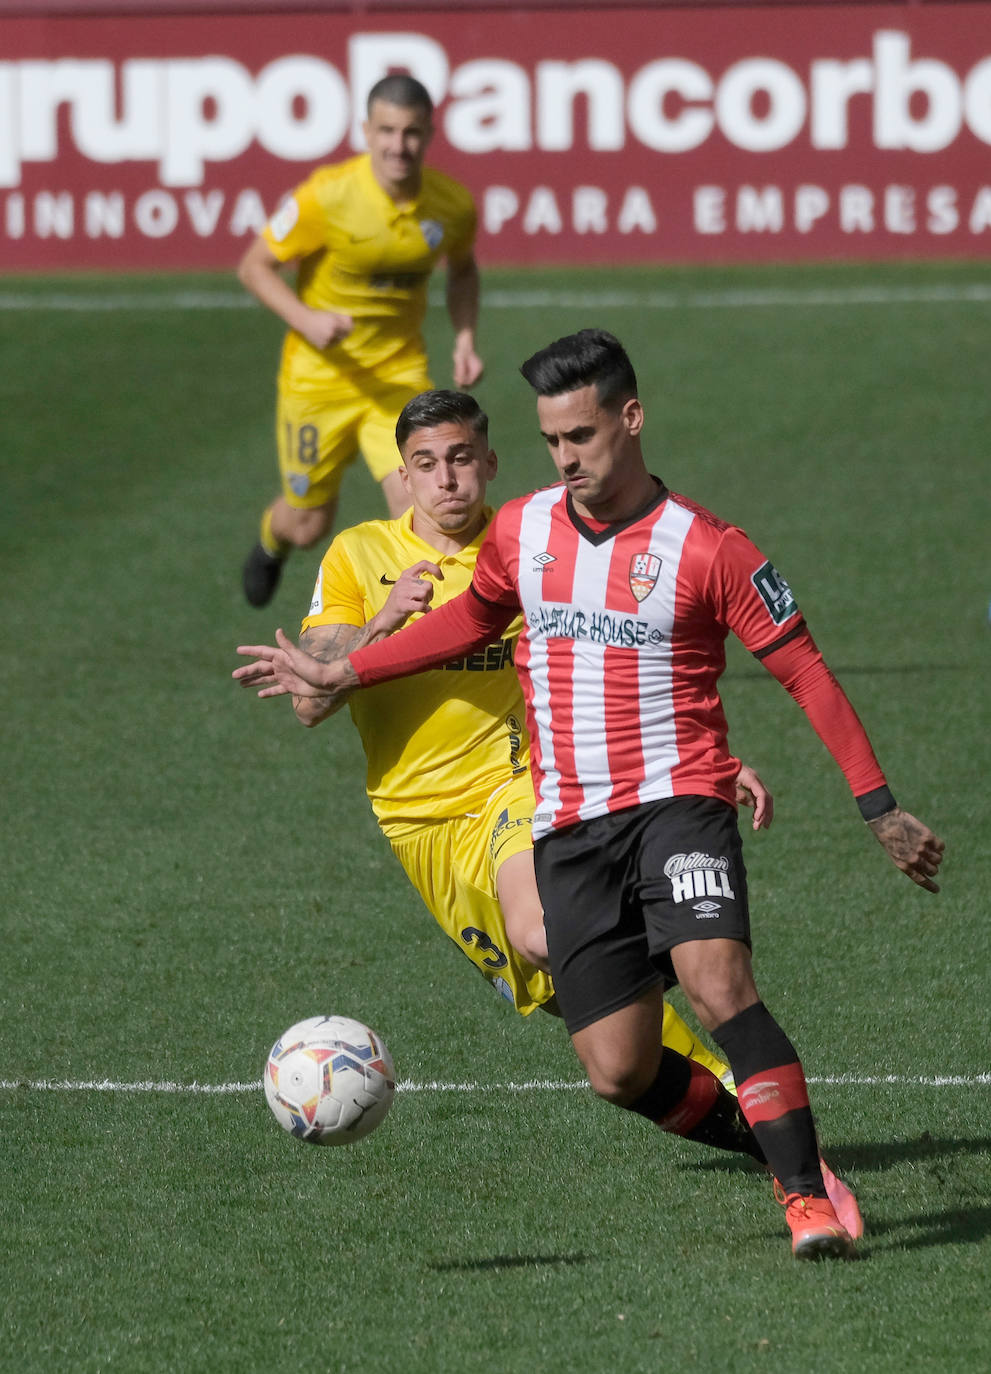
[{"x": 185, "y": 871}]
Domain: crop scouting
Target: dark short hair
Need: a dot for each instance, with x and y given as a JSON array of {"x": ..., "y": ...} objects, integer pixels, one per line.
[
  {"x": 590, "y": 357},
  {"x": 400, "y": 89},
  {"x": 433, "y": 408}
]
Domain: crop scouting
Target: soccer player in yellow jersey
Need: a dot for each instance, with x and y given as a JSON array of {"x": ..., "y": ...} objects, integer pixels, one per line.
[
  {"x": 366, "y": 234},
  {"x": 448, "y": 754}
]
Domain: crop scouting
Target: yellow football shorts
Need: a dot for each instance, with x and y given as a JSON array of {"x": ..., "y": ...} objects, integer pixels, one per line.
[
  {"x": 453, "y": 865},
  {"x": 320, "y": 434}
]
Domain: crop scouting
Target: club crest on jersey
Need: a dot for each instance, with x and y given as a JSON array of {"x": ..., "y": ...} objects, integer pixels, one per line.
[
  {"x": 645, "y": 568},
  {"x": 433, "y": 232}
]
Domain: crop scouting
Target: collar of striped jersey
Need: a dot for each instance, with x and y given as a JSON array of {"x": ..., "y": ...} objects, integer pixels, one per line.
[{"x": 598, "y": 532}]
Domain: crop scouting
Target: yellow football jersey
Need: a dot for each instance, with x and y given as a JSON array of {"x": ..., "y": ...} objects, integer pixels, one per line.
[
  {"x": 439, "y": 743},
  {"x": 363, "y": 254}
]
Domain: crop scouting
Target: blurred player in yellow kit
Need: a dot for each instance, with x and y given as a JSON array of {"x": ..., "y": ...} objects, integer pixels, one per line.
[
  {"x": 448, "y": 755},
  {"x": 366, "y": 234}
]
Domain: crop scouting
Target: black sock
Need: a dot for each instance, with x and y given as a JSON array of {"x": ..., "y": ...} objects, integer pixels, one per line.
[{"x": 773, "y": 1097}]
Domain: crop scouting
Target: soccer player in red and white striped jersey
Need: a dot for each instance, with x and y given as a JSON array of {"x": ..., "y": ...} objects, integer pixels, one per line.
[{"x": 628, "y": 592}]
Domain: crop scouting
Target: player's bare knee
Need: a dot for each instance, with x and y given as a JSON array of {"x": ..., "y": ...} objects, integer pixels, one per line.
[
  {"x": 720, "y": 987},
  {"x": 309, "y": 526},
  {"x": 619, "y": 1082},
  {"x": 718, "y": 1002}
]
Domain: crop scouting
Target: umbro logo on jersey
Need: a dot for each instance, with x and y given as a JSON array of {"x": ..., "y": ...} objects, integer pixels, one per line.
[
  {"x": 387, "y": 581},
  {"x": 542, "y": 559},
  {"x": 645, "y": 568}
]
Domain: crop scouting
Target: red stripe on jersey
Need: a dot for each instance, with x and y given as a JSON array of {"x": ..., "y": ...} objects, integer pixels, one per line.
[
  {"x": 558, "y": 585},
  {"x": 561, "y": 685},
  {"x": 498, "y": 559}
]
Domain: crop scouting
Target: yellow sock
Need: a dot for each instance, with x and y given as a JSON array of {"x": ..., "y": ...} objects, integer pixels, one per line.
[
  {"x": 677, "y": 1036},
  {"x": 271, "y": 543}
]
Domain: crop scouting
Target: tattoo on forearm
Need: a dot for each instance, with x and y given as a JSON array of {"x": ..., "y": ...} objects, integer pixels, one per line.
[{"x": 331, "y": 644}]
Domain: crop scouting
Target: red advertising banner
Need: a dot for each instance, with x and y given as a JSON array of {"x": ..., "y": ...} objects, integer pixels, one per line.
[{"x": 769, "y": 133}]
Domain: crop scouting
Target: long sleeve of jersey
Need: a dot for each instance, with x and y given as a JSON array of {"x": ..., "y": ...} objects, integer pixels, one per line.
[
  {"x": 456, "y": 628},
  {"x": 800, "y": 668}
]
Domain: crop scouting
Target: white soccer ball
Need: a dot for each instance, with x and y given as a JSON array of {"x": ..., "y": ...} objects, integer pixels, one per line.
[{"x": 329, "y": 1080}]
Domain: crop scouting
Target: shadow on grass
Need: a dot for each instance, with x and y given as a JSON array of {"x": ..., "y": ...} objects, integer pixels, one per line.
[
  {"x": 865, "y": 1158},
  {"x": 875, "y": 1158},
  {"x": 955, "y": 1226},
  {"x": 506, "y": 1262}
]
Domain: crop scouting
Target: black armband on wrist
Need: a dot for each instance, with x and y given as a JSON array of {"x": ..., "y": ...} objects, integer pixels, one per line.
[{"x": 874, "y": 805}]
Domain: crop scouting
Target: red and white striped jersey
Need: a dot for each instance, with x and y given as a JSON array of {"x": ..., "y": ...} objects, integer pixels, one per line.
[{"x": 623, "y": 644}]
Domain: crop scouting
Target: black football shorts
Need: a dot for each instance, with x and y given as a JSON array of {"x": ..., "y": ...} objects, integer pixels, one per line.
[{"x": 619, "y": 891}]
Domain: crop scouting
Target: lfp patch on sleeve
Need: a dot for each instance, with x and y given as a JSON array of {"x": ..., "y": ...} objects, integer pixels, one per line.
[
  {"x": 284, "y": 220},
  {"x": 774, "y": 592},
  {"x": 316, "y": 605}
]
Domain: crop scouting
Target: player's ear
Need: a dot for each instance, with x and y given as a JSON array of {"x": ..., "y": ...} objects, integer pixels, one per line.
[
  {"x": 633, "y": 416},
  {"x": 491, "y": 464}
]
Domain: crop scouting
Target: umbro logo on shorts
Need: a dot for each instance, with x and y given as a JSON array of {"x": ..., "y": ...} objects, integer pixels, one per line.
[{"x": 706, "y": 910}]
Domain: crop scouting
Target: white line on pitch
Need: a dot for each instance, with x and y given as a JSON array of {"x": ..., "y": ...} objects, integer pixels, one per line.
[
  {"x": 523, "y": 299},
  {"x": 107, "y": 1085}
]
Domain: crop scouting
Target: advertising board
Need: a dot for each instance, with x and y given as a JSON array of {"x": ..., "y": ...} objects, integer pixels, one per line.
[{"x": 611, "y": 135}]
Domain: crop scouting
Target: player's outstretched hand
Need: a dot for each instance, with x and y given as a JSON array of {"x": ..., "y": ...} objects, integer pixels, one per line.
[
  {"x": 911, "y": 846},
  {"x": 284, "y": 668},
  {"x": 751, "y": 792},
  {"x": 257, "y": 674}
]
